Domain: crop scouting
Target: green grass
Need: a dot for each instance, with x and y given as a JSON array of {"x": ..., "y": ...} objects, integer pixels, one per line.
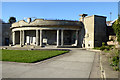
[{"x": 29, "y": 56}]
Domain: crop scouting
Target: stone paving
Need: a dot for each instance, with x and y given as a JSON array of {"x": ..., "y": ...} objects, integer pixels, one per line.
[{"x": 77, "y": 63}]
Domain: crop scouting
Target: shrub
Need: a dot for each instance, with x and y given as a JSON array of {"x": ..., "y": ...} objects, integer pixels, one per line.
[
  {"x": 115, "y": 59},
  {"x": 98, "y": 48},
  {"x": 116, "y": 27},
  {"x": 102, "y": 48},
  {"x": 103, "y": 43}
]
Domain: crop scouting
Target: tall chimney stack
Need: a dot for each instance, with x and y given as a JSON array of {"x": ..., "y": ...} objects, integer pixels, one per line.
[{"x": 82, "y": 17}]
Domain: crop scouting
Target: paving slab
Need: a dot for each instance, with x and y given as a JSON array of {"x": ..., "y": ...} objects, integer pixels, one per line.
[
  {"x": 108, "y": 70},
  {"x": 75, "y": 64}
]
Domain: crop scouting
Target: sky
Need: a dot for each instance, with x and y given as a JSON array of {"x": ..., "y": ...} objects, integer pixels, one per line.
[
  {"x": 119, "y": 8},
  {"x": 58, "y": 10}
]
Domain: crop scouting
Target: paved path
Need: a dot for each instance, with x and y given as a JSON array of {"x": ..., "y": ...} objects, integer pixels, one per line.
[{"x": 76, "y": 64}]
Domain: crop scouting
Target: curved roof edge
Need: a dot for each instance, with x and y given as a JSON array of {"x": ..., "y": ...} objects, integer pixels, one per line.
[{"x": 42, "y": 22}]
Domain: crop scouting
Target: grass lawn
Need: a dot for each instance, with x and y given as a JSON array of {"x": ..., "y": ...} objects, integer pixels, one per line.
[{"x": 29, "y": 56}]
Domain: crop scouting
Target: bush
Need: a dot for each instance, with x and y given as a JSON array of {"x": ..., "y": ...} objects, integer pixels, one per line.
[
  {"x": 102, "y": 48},
  {"x": 103, "y": 43},
  {"x": 114, "y": 59},
  {"x": 116, "y": 27},
  {"x": 105, "y": 48},
  {"x": 98, "y": 48}
]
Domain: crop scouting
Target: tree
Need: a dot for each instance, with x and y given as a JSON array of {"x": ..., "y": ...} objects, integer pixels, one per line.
[
  {"x": 116, "y": 27},
  {"x": 12, "y": 20},
  {"x": 1, "y": 21}
]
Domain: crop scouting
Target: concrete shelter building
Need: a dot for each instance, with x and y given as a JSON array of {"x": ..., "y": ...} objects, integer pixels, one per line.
[
  {"x": 5, "y": 34},
  {"x": 89, "y": 32}
]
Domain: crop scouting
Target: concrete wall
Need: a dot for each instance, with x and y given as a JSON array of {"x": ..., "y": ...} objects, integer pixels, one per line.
[
  {"x": 81, "y": 37},
  {"x": 100, "y": 30},
  {"x": 89, "y": 32},
  {"x": 6, "y": 32},
  {"x": 0, "y": 33},
  {"x": 94, "y": 31}
]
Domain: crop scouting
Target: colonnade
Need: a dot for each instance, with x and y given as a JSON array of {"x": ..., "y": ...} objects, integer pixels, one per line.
[{"x": 22, "y": 37}]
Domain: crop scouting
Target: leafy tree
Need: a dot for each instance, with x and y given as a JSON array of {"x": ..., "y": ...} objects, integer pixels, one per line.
[
  {"x": 12, "y": 20},
  {"x": 116, "y": 27},
  {"x": 1, "y": 21}
]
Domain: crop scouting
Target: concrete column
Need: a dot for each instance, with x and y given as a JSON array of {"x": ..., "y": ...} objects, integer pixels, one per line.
[
  {"x": 36, "y": 37},
  {"x": 41, "y": 38},
  {"x": 23, "y": 37},
  {"x": 62, "y": 38},
  {"x": 57, "y": 37},
  {"x": 20, "y": 38},
  {"x": 76, "y": 41},
  {"x": 13, "y": 37}
]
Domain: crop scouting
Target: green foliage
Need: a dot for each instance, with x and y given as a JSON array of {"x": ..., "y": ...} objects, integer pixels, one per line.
[
  {"x": 97, "y": 48},
  {"x": 115, "y": 60},
  {"x": 103, "y": 47},
  {"x": 29, "y": 56},
  {"x": 103, "y": 43},
  {"x": 114, "y": 55},
  {"x": 116, "y": 27},
  {"x": 12, "y": 20}
]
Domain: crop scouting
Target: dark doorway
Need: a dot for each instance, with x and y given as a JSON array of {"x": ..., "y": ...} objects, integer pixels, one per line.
[{"x": 6, "y": 41}]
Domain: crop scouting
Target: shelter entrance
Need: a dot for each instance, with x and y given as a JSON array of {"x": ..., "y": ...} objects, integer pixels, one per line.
[
  {"x": 46, "y": 37},
  {"x": 30, "y": 37},
  {"x": 30, "y": 40}
]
